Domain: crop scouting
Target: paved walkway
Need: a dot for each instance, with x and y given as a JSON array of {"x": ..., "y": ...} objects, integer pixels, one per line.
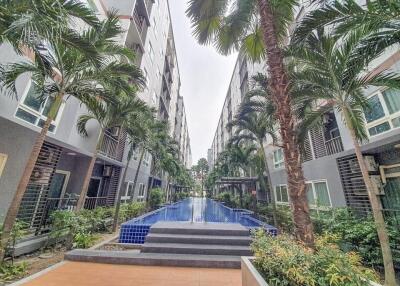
[{"x": 91, "y": 274}]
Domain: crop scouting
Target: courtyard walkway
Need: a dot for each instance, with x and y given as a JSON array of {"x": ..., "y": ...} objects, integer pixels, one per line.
[{"x": 91, "y": 274}]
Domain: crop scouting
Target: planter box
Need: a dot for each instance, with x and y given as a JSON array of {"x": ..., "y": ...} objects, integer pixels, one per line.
[{"x": 251, "y": 276}]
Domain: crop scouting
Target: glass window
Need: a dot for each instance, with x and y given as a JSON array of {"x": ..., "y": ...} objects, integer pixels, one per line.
[
  {"x": 379, "y": 128},
  {"x": 33, "y": 110},
  {"x": 141, "y": 190},
  {"x": 278, "y": 159},
  {"x": 396, "y": 122},
  {"x": 392, "y": 100},
  {"x": 321, "y": 192},
  {"x": 281, "y": 194},
  {"x": 375, "y": 110},
  {"x": 310, "y": 194}
]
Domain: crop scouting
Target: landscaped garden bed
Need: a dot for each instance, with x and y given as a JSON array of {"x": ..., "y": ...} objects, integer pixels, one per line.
[{"x": 282, "y": 261}]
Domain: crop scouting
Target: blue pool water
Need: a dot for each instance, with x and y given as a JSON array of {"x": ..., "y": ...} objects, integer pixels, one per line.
[{"x": 197, "y": 210}]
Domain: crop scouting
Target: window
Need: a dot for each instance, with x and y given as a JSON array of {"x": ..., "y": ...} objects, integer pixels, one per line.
[
  {"x": 3, "y": 160},
  {"x": 383, "y": 113},
  {"x": 141, "y": 193},
  {"x": 281, "y": 194},
  {"x": 318, "y": 194},
  {"x": 279, "y": 161},
  {"x": 34, "y": 111}
]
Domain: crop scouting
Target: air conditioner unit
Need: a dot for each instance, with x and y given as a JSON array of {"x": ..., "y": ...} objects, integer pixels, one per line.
[
  {"x": 371, "y": 164},
  {"x": 377, "y": 185},
  {"x": 107, "y": 171}
]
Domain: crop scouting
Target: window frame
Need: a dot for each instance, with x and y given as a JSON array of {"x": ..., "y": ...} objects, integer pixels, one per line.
[
  {"x": 126, "y": 196},
  {"x": 38, "y": 114},
  {"x": 276, "y": 194},
  {"x": 386, "y": 118},
  {"x": 279, "y": 164},
  {"x": 3, "y": 161},
  {"x": 140, "y": 197},
  {"x": 315, "y": 205}
]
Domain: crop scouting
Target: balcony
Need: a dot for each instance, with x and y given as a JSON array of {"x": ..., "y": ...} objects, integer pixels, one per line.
[
  {"x": 94, "y": 202},
  {"x": 334, "y": 145},
  {"x": 112, "y": 145}
]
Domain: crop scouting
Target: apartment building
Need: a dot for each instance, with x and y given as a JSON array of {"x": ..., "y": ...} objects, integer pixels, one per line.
[
  {"x": 330, "y": 166},
  {"x": 59, "y": 172}
]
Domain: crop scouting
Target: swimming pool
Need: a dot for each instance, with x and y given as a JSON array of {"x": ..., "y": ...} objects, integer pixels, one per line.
[{"x": 196, "y": 210}]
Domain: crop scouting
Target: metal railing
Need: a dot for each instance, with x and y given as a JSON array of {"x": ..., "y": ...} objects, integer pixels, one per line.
[
  {"x": 139, "y": 20},
  {"x": 334, "y": 145},
  {"x": 54, "y": 204},
  {"x": 109, "y": 147},
  {"x": 94, "y": 202}
]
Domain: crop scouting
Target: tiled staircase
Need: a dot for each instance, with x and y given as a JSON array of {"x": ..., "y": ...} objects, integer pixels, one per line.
[{"x": 211, "y": 245}]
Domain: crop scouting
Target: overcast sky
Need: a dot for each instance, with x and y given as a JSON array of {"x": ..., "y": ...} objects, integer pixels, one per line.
[{"x": 205, "y": 77}]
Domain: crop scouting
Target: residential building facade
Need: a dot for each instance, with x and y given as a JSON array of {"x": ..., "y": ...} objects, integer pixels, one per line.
[
  {"x": 330, "y": 166},
  {"x": 64, "y": 159}
]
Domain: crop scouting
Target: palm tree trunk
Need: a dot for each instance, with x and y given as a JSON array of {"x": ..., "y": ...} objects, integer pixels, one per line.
[
  {"x": 137, "y": 174},
  {"x": 119, "y": 194},
  {"x": 12, "y": 212},
  {"x": 86, "y": 182},
  {"x": 272, "y": 191},
  {"x": 376, "y": 206},
  {"x": 279, "y": 85}
]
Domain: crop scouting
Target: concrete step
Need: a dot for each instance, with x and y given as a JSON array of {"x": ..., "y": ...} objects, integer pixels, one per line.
[
  {"x": 198, "y": 239},
  {"x": 201, "y": 249},
  {"x": 217, "y": 229},
  {"x": 151, "y": 259}
]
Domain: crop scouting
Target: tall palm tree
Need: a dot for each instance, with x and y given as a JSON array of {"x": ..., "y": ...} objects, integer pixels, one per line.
[
  {"x": 259, "y": 125},
  {"x": 377, "y": 21},
  {"x": 259, "y": 29},
  {"x": 137, "y": 128},
  {"x": 115, "y": 114},
  {"x": 329, "y": 67},
  {"x": 27, "y": 24},
  {"x": 66, "y": 71}
]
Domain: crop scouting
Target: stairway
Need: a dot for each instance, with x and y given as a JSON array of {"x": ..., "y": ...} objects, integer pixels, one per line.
[
  {"x": 211, "y": 244},
  {"x": 180, "y": 244}
]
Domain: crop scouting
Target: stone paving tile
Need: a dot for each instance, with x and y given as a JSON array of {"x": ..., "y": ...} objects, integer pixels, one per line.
[{"x": 94, "y": 274}]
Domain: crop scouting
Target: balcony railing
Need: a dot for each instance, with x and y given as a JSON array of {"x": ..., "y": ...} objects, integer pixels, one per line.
[
  {"x": 334, "y": 145},
  {"x": 139, "y": 20},
  {"x": 109, "y": 147},
  {"x": 94, "y": 202}
]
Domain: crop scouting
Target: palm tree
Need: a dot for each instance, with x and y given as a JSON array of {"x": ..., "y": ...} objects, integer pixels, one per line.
[
  {"x": 330, "y": 69},
  {"x": 259, "y": 29},
  {"x": 115, "y": 114},
  {"x": 67, "y": 71},
  {"x": 27, "y": 24},
  {"x": 259, "y": 125},
  {"x": 377, "y": 21},
  {"x": 137, "y": 128}
]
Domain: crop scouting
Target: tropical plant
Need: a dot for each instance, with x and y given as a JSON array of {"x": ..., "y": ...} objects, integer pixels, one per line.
[
  {"x": 258, "y": 28},
  {"x": 27, "y": 24},
  {"x": 255, "y": 121},
  {"x": 137, "y": 127},
  {"x": 68, "y": 72},
  {"x": 115, "y": 114},
  {"x": 201, "y": 170},
  {"x": 156, "y": 198},
  {"x": 283, "y": 261},
  {"x": 376, "y": 21},
  {"x": 335, "y": 77}
]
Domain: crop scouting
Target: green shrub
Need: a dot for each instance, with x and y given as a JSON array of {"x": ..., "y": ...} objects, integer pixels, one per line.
[
  {"x": 11, "y": 271},
  {"x": 156, "y": 198},
  {"x": 131, "y": 210},
  {"x": 71, "y": 228},
  {"x": 283, "y": 216},
  {"x": 227, "y": 198},
  {"x": 359, "y": 234},
  {"x": 285, "y": 262}
]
